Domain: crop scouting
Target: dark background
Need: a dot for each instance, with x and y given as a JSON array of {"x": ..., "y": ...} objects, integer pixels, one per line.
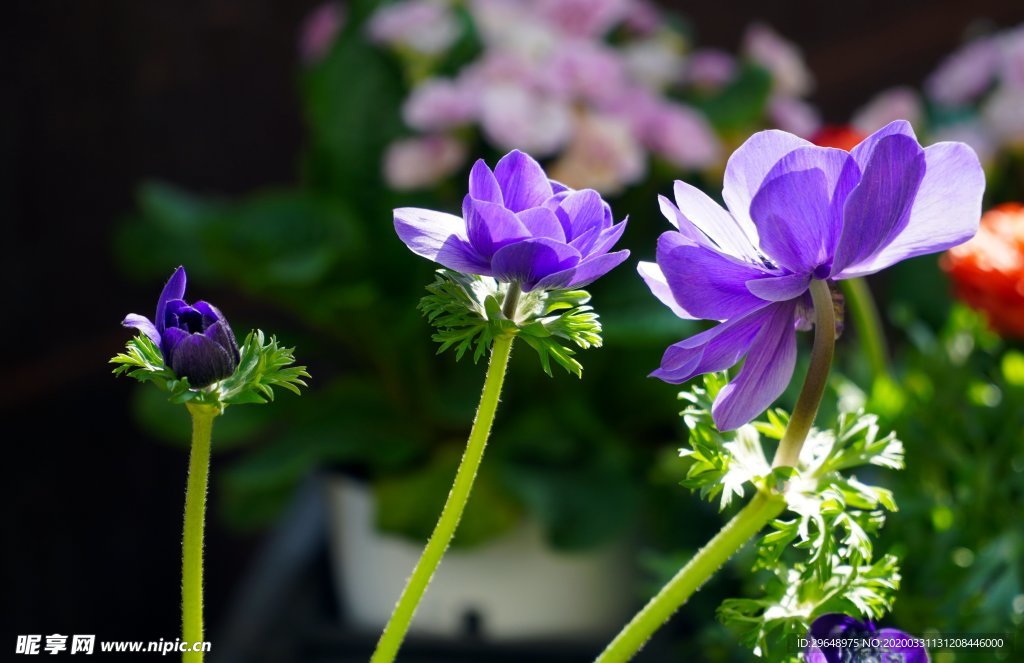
[{"x": 101, "y": 95}]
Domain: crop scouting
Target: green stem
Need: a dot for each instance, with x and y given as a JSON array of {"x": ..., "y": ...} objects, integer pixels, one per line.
[
  {"x": 869, "y": 325},
  {"x": 511, "y": 300},
  {"x": 760, "y": 511},
  {"x": 192, "y": 539},
  {"x": 744, "y": 525},
  {"x": 788, "y": 453},
  {"x": 401, "y": 618}
]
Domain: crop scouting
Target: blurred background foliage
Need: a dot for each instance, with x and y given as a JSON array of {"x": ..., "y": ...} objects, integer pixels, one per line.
[{"x": 595, "y": 459}]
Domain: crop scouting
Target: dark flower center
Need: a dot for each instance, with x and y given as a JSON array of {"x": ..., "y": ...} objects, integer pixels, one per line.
[{"x": 190, "y": 320}]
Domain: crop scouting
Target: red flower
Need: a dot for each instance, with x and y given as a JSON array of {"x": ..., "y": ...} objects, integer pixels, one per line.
[
  {"x": 988, "y": 271},
  {"x": 842, "y": 137}
]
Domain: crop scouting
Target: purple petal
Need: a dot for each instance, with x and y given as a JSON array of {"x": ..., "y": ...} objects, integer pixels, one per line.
[
  {"x": 780, "y": 288},
  {"x": 174, "y": 289},
  {"x": 522, "y": 181},
  {"x": 716, "y": 349},
  {"x": 841, "y": 174},
  {"x": 172, "y": 336},
  {"x": 583, "y": 274},
  {"x": 705, "y": 283},
  {"x": 491, "y": 226},
  {"x": 221, "y": 334},
  {"x": 201, "y": 360},
  {"x": 173, "y": 311},
  {"x": 748, "y": 167},
  {"x": 542, "y": 222},
  {"x": 765, "y": 373},
  {"x": 945, "y": 213},
  {"x": 606, "y": 240},
  {"x": 652, "y": 275},
  {"x": 909, "y": 654},
  {"x": 439, "y": 237},
  {"x": 792, "y": 216},
  {"x": 531, "y": 260},
  {"x": 580, "y": 211},
  {"x": 831, "y": 624},
  {"x": 483, "y": 185},
  {"x": 878, "y": 209},
  {"x": 698, "y": 211},
  {"x": 211, "y": 314},
  {"x": 144, "y": 325},
  {"x": 863, "y": 151}
]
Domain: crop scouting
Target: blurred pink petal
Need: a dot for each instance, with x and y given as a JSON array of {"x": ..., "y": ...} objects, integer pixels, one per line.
[
  {"x": 1012, "y": 45},
  {"x": 603, "y": 155},
  {"x": 417, "y": 163},
  {"x": 582, "y": 18},
  {"x": 1003, "y": 115},
  {"x": 710, "y": 68},
  {"x": 656, "y": 61},
  {"x": 794, "y": 115},
  {"x": 780, "y": 57},
  {"x": 588, "y": 70},
  {"x": 682, "y": 136},
  {"x": 437, "y": 104},
  {"x": 424, "y": 26},
  {"x": 965, "y": 74},
  {"x": 514, "y": 117},
  {"x": 319, "y": 30},
  {"x": 898, "y": 103}
]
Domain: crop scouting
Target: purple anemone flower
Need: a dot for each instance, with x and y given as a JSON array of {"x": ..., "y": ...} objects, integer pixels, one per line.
[
  {"x": 195, "y": 339},
  {"x": 519, "y": 227},
  {"x": 798, "y": 212},
  {"x": 865, "y": 642}
]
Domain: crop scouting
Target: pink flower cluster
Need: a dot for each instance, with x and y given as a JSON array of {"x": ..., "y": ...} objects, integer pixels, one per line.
[
  {"x": 548, "y": 82},
  {"x": 980, "y": 86}
]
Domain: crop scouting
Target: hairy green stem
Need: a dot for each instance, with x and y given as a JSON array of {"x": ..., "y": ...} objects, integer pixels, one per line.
[
  {"x": 760, "y": 511},
  {"x": 788, "y": 453},
  {"x": 511, "y": 300},
  {"x": 401, "y": 618},
  {"x": 869, "y": 325},
  {"x": 192, "y": 537}
]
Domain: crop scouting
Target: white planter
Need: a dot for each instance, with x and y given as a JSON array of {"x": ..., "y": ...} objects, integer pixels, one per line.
[{"x": 515, "y": 587}]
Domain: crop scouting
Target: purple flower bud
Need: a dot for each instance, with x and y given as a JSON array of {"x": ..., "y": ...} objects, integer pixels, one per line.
[
  {"x": 519, "y": 227},
  {"x": 195, "y": 339},
  {"x": 862, "y": 640}
]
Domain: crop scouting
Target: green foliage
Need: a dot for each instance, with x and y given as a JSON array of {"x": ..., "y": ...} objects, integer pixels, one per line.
[
  {"x": 819, "y": 556},
  {"x": 467, "y": 312},
  {"x": 263, "y": 366}
]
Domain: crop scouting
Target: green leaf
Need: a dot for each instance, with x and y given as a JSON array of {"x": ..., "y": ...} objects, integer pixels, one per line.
[
  {"x": 263, "y": 365},
  {"x": 467, "y": 312}
]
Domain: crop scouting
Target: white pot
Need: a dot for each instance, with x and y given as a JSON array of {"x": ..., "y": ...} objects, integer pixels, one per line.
[{"x": 513, "y": 588}]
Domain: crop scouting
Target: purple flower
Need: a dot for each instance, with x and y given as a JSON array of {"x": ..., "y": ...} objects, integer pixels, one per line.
[
  {"x": 871, "y": 642},
  {"x": 798, "y": 212},
  {"x": 519, "y": 226},
  {"x": 195, "y": 340}
]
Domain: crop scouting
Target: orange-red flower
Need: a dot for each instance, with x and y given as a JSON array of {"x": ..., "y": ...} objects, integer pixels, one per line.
[
  {"x": 842, "y": 137},
  {"x": 988, "y": 271}
]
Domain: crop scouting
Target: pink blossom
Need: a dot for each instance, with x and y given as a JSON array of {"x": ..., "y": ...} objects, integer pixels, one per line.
[
  {"x": 588, "y": 70},
  {"x": 514, "y": 117},
  {"x": 710, "y": 68},
  {"x": 417, "y": 163},
  {"x": 656, "y": 61},
  {"x": 898, "y": 103},
  {"x": 319, "y": 29},
  {"x": 965, "y": 74},
  {"x": 582, "y": 18},
  {"x": 424, "y": 26},
  {"x": 780, "y": 57},
  {"x": 1003, "y": 115},
  {"x": 1012, "y": 45},
  {"x": 438, "y": 104},
  {"x": 682, "y": 136},
  {"x": 603, "y": 155},
  {"x": 794, "y": 115}
]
